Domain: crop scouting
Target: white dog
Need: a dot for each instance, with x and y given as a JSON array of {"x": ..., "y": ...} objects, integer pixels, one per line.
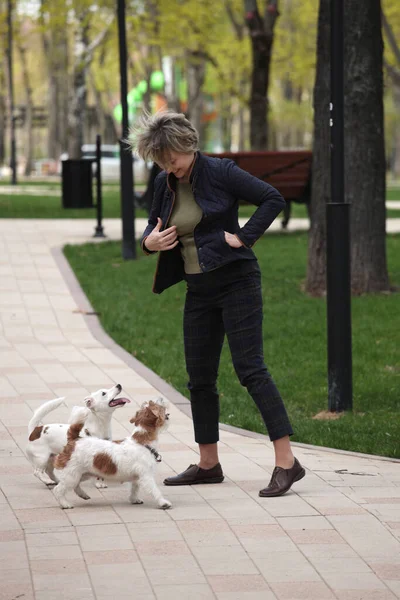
[
  {"x": 45, "y": 441},
  {"x": 132, "y": 459}
]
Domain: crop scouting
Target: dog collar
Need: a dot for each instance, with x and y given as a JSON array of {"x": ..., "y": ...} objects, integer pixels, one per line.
[{"x": 157, "y": 456}]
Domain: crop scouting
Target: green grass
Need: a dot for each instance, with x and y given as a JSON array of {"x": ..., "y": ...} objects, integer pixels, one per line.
[
  {"x": 393, "y": 194},
  {"x": 25, "y": 206},
  {"x": 149, "y": 327},
  {"x": 49, "y": 207}
]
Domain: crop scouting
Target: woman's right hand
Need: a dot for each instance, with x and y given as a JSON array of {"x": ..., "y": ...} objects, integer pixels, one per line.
[{"x": 161, "y": 240}]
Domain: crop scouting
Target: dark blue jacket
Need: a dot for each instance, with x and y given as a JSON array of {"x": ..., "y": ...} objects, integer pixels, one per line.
[{"x": 217, "y": 185}]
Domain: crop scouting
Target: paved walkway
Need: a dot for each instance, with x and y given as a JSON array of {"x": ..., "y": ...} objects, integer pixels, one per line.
[{"x": 336, "y": 535}]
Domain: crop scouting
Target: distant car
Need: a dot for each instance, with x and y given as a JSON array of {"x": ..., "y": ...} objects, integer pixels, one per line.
[{"x": 110, "y": 162}]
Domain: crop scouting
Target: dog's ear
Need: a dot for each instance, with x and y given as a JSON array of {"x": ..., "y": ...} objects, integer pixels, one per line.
[
  {"x": 89, "y": 401},
  {"x": 152, "y": 410},
  {"x": 134, "y": 419}
]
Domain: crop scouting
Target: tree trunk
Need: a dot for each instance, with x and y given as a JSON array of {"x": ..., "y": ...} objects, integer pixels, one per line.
[
  {"x": 242, "y": 129},
  {"x": 396, "y": 137},
  {"x": 78, "y": 105},
  {"x": 2, "y": 115},
  {"x": 28, "y": 111},
  {"x": 261, "y": 36},
  {"x": 101, "y": 116},
  {"x": 364, "y": 149},
  {"x": 55, "y": 47},
  {"x": 196, "y": 76}
]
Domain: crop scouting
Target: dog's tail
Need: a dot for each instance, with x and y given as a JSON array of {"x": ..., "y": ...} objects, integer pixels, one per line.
[
  {"x": 42, "y": 411},
  {"x": 77, "y": 423}
]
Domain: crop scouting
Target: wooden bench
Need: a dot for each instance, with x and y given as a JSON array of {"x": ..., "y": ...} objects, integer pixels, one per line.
[{"x": 288, "y": 171}]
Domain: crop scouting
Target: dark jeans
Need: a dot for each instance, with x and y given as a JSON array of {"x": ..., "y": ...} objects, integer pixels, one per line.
[{"x": 228, "y": 300}]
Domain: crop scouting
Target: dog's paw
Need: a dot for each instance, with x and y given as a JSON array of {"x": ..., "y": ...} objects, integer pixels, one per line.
[
  {"x": 66, "y": 506},
  {"x": 136, "y": 501},
  {"x": 100, "y": 484},
  {"x": 164, "y": 504}
]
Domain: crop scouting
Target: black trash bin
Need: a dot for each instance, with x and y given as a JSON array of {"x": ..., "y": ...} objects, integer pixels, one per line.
[{"x": 76, "y": 183}]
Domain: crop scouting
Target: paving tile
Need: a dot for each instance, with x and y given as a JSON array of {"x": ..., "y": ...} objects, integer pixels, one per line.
[
  {"x": 282, "y": 567},
  {"x": 167, "y": 570},
  {"x": 394, "y": 586},
  {"x": 389, "y": 570},
  {"x": 331, "y": 565},
  {"x": 12, "y": 535},
  {"x": 13, "y": 555},
  {"x": 78, "y": 594},
  {"x": 43, "y": 553},
  {"x": 110, "y": 557},
  {"x": 353, "y": 581},
  {"x": 167, "y": 548},
  {"x": 224, "y": 560},
  {"x": 186, "y": 592},
  {"x": 315, "y": 536},
  {"x": 120, "y": 581},
  {"x": 61, "y": 581},
  {"x": 264, "y": 595},
  {"x": 104, "y": 537},
  {"x": 238, "y": 583},
  {"x": 160, "y": 532},
  {"x": 58, "y": 566},
  {"x": 90, "y": 514},
  {"x": 308, "y": 590},
  {"x": 330, "y": 550},
  {"x": 364, "y": 595},
  {"x": 205, "y": 534},
  {"x": 42, "y": 517}
]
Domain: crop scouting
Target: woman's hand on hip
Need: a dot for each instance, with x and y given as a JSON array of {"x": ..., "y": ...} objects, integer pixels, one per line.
[
  {"x": 161, "y": 240},
  {"x": 232, "y": 240}
]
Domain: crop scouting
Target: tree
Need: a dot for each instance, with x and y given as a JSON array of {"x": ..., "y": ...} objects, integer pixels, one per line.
[
  {"x": 261, "y": 30},
  {"x": 392, "y": 65},
  {"x": 82, "y": 57},
  {"x": 54, "y": 34},
  {"x": 364, "y": 148},
  {"x": 20, "y": 37}
]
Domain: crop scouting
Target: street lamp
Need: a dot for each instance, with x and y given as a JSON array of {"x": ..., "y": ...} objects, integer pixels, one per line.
[
  {"x": 338, "y": 236},
  {"x": 126, "y": 186}
]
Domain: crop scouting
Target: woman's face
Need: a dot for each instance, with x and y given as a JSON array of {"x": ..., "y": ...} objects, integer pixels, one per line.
[{"x": 178, "y": 164}]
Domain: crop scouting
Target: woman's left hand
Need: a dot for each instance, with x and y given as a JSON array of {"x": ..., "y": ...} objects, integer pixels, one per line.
[{"x": 232, "y": 240}]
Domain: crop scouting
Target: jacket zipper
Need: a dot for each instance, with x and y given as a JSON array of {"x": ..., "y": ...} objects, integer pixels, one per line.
[
  {"x": 169, "y": 216},
  {"x": 194, "y": 230}
]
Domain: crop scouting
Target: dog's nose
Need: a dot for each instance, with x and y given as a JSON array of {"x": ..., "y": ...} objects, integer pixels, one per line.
[{"x": 119, "y": 386}]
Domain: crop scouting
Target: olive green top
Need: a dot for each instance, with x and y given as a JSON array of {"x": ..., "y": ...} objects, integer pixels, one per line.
[{"x": 185, "y": 216}]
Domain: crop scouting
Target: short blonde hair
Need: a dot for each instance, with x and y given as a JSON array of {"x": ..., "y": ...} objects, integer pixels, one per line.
[{"x": 155, "y": 136}]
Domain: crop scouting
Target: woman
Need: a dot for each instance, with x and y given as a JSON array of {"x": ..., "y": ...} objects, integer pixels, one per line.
[{"x": 193, "y": 224}]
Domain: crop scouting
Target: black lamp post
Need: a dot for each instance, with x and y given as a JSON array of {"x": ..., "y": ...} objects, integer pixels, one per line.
[
  {"x": 13, "y": 154},
  {"x": 338, "y": 235},
  {"x": 127, "y": 206}
]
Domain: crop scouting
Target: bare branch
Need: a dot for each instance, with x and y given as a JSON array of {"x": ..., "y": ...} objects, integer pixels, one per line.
[
  {"x": 390, "y": 36},
  {"x": 393, "y": 73},
  {"x": 238, "y": 27},
  {"x": 97, "y": 41},
  {"x": 270, "y": 16}
]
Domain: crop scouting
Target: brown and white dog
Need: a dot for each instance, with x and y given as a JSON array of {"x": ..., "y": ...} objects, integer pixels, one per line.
[
  {"x": 132, "y": 459},
  {"x": 45, "y": 441}
]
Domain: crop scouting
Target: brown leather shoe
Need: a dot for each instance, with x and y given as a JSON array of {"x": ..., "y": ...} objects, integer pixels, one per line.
[
  {"x": 194, "y": 474},
  {"x": 282, "y": 480}
]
